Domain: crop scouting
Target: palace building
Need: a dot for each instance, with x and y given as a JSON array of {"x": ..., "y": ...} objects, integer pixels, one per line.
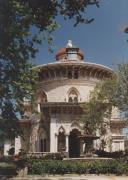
[{"x": 63, "y": 86}]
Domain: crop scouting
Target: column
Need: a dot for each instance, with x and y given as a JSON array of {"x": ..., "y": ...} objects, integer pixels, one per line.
[
  {"x": 52, "y": 134},
  {"x": 81, "y": 148},
  {"x": 56, "y": 142},
  {"x": 67, "y": 142},
  {"x": 38, "y": 107},
  {"x": 17, "y": 144}
]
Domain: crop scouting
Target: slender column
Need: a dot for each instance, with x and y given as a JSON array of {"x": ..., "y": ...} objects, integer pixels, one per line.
[
  {"x": 56, "y": 142},
  {"x": 81, "y": 148},
  {"x": 67, "y": 145},
  {"x": 17, "y": 144},
  {"x": 73, "y": 71},
  {"x": 62, "y": 74},
  {"x": 66, "y": 72},
  {"x": 48, "y": 72},
  {"x": 79, "y": 72},
  {"x": 52, "y": 134},
  {"x": 38, "y": 107},
  {"x": 55, "y": 73},
  {"x": 67, "y": 142}
]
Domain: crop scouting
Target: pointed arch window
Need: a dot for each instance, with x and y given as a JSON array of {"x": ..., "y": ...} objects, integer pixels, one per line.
[
  {"x": 43, "y": 145},
  {"x": 42, "y": 141},
  {"x": 73, "y": 96},
  {"x": 61, "y": 140}
]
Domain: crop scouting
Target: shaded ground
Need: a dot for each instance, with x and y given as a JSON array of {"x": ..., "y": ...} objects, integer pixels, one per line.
[{"x": 72, "y": 177}]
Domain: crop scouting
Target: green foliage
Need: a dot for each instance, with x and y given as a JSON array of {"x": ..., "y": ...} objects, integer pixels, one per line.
[
  {"x": 116, "y": 154},
  {"x": 122, "y": 88},
  {"x": 80, "y": 167},
  {"x": 98, "y": 109},
  {"x": 105, "y": 96},
  {"x": 114, "y": 92}
]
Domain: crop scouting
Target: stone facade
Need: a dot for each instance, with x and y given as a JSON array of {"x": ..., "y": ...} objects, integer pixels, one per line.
[{"x": 63, "y": 86}]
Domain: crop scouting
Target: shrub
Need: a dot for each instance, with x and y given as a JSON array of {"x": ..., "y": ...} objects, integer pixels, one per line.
[
  {"x": 79, "y": 167},
  {"x": 116, "y": 154},
  {"x": 50, "y": 156}
]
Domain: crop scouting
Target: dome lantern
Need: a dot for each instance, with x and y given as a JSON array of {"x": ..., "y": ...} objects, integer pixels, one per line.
[{"x": 69, "y": 53}]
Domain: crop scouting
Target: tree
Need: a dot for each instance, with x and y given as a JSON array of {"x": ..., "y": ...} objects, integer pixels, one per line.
[
  {"x": 23, "y": 24},
  {"x": 126, "y": 31},
  {"x": 105, "y": 96},
  {"x": 97, "y": 111},
  {"x": 122, "y": 88}
]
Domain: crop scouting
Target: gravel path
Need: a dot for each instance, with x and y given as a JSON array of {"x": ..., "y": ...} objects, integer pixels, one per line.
[{"x": 72, "y": 177}]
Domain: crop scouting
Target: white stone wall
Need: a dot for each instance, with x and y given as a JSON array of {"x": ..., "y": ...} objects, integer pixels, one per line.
[
  {"x": 7, "y": 146},
  {"x": 57, "y": 91},
  {"x": 53, "y": 135},
  {"x": 55, "y": 126}
]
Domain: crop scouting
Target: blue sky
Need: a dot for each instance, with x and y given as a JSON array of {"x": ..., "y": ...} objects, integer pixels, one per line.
[{"x": 102, "y": 42}]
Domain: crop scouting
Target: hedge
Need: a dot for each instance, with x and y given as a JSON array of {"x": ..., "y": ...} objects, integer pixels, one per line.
[
  {"x": 79, "y": 167},
  {"x": 116, "y": 154}
]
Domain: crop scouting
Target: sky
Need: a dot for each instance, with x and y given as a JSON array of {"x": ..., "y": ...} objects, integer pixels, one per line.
[{"x": 102, "y": 42}]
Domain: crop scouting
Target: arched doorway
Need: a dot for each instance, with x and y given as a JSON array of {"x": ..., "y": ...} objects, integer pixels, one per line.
[{"x": 74, "y": 144}]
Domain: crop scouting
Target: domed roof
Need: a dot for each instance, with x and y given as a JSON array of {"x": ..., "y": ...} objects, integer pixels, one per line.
[
  {"x": 60, "y": 52},
  {"x": 63, "y": 51}
]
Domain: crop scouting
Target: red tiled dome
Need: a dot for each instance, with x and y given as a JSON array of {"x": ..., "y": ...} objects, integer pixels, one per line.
[
  {"x": 81, "y": 54},
  {"x": 62, "y": 51}
]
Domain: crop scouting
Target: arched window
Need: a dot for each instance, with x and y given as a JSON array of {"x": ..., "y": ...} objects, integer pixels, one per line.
[
  {"x": 43, "y": 145},
  {"x": 70, "y": 99},
  {"x": 61, "y": 140},
  {"x": 76, "y": 99},
  {"x": 42, "y": 141},
  {"x": 73, "y": 96}
]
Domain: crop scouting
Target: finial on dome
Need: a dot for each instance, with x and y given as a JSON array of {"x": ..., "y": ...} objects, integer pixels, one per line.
[{"x": 69, "y": 44}]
